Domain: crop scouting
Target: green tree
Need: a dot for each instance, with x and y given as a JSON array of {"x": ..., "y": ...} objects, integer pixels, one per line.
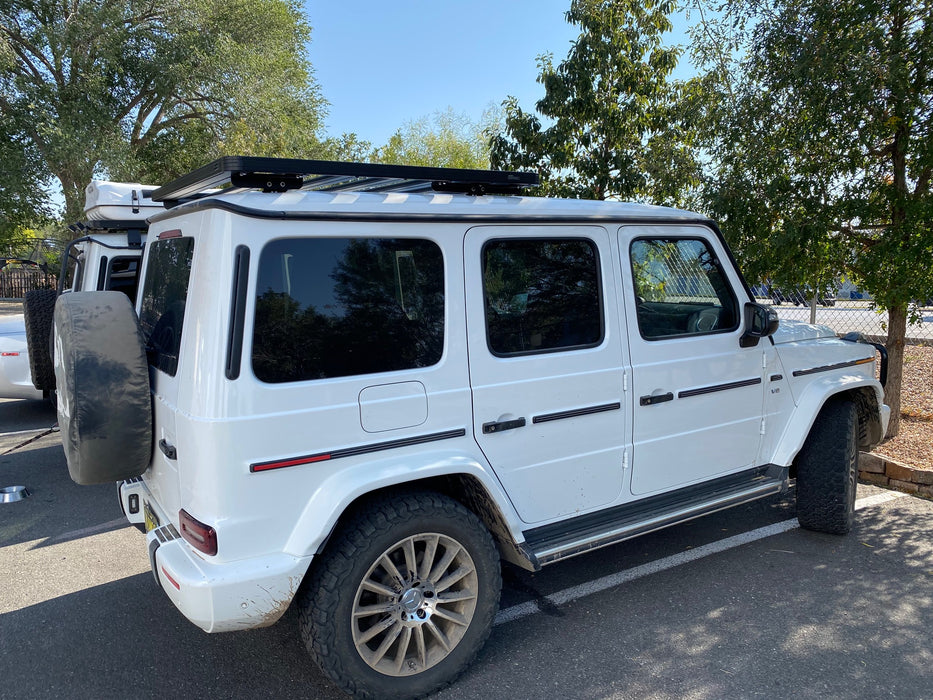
[
  {"x": 823, "y": 151},
  {"x": 147, "y": 89},
  {"x": 23, "y": 198},
  {"x": 447, "y": 140},
  {"x": 610, "y": 124}
]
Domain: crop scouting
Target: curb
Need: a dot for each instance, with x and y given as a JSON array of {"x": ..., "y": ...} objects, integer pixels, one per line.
[{"x": 886, "y": 472}]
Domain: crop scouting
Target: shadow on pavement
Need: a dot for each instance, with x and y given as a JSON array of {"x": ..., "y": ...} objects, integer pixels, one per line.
[
  {"x": 125, "y": 639},
  {"x": 799, "y": 615},
  {"x": 57, "y": 505}
]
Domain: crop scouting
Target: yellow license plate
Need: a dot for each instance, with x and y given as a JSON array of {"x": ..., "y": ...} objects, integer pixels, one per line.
[{"x": 152, "y": 520}]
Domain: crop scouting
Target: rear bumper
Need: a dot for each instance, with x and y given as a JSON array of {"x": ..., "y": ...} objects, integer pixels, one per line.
[{"x": 217, "y": 597}]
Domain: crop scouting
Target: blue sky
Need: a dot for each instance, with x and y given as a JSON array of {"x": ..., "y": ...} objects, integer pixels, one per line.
[{"x": 382, "y": 63}]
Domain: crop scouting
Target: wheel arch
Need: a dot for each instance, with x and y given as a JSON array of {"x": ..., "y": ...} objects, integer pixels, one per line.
[
  {"x": 472, "y": 490},
  {"x": 865, "y": 393}
]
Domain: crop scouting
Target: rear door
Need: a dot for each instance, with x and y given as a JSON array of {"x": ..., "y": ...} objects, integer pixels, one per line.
[
  {"x": 546, "y": 365},
  {"x": 698, "y": 395},
  {"x": 162, "y": 306}
]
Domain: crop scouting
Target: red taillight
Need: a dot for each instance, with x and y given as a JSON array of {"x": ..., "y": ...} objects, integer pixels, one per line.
[
  {"x": 200, "y": 536},
  {"x": 9, "y": 354}
]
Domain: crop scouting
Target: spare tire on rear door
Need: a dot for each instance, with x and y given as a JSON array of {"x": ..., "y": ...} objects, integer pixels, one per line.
[
  {"x": 104, "y": 407},
  {"x": 38, "y": 306}
]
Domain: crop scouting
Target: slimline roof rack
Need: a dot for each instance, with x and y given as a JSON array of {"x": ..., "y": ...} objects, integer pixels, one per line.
[{"x": 282, "y": 174}]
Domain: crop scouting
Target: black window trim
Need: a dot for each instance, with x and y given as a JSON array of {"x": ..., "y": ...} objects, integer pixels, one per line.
[
  {"x": 238, "y": 301},
  {"x": 705, "y": 240},
  {"x": 103, "y": 272},
  {"x": 599, "y": 290}
]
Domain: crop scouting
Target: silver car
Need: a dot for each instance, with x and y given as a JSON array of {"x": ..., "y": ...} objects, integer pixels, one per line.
[{"x": 15, "y": 379}]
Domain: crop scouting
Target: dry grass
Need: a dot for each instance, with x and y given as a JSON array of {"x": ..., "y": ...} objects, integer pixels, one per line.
[{"x": 914, "y": 442}]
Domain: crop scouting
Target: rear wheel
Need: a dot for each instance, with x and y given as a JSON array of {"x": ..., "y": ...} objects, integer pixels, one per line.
[
  {"x": 827, "y": 470},
  {"x": 403, "y": 598}
]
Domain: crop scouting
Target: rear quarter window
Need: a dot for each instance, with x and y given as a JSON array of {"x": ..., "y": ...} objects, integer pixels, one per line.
[{"x": 339, "y": 307}]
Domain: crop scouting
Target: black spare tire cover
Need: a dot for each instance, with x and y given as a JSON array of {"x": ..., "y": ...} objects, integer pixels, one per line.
[
  {"x": 38, "y": 306},
  {"x": 104, "y": 407}
]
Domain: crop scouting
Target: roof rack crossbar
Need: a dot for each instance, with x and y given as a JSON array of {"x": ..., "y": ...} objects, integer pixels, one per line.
[{"x": 338, "y": 176}]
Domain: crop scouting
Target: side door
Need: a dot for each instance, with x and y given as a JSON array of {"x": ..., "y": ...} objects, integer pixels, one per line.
[
  {"x": 546, "y": 366},
  {"x": 698, "y": 394}
]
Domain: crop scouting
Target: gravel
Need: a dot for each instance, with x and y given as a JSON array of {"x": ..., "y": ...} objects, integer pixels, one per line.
[{"x": 913, "y": 445}]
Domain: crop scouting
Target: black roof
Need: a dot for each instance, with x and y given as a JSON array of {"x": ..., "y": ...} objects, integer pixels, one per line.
[{"x": 281, "y": 174}]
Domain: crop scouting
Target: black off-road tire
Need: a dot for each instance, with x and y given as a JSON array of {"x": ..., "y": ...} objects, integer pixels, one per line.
[
  {"x": 104, "y": 406},
  {"x": 827, "y": 470},
  {"x": 38, "y": 308},
  {"x": 329, "y": 593}
]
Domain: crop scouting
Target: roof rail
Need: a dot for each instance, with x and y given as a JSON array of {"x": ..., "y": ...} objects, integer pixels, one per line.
[{"x": 282, "y": 174}]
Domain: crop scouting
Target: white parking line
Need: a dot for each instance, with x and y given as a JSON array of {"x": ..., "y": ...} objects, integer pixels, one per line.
[
  {"x": 601, "y": 584},
  {"x": 24, "y": 432},
  {"x": 93, "y": 530}
]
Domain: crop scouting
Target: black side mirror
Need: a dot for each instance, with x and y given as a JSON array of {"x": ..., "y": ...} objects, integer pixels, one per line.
[{"x": 760, "y": 322}]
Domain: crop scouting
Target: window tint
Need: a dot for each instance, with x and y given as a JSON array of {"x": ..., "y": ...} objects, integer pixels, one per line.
[
  {"x": 165, "y": 292},
  {"x": 680, "y": 289},
  {"x": 541, "y": 295},
  {"x": 336, "y": 307}
]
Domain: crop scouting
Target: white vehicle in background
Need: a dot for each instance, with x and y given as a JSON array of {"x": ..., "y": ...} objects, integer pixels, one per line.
[
  {"x": 15, "y": 380},
  {"x": 104, "y": 256},
  {"x": 355, "y": 388}
]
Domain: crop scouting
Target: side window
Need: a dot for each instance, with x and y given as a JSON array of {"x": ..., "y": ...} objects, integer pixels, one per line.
[
  {"x": 680, "y": 288},
  {"x": 339, "y": 307},
  {"x": 123, "y": 275},
  {"x": 541, "y": 295},
  {"x": 165, "y": 293}
]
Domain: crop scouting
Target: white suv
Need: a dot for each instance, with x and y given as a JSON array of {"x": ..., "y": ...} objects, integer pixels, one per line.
[{"x": 359, "y": 387}]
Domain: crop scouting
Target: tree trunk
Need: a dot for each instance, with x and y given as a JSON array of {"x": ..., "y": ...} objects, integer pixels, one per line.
[
  {"x": 897, "y": 331},
  {"x": 74, "y": 200}
]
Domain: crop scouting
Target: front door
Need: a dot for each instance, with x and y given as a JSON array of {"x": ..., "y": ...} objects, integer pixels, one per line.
[
  {"x": 546, "y": 365},
  {"x": 697, "y": 394}
]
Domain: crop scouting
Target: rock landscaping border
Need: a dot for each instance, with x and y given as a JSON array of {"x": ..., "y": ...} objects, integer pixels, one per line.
[{"x": 883, "y": 471}]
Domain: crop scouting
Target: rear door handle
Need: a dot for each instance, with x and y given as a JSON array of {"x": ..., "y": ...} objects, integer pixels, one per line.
[
  {"x": 168, "y": 450},
  {"x": 498, "y": 427},
  {"x": 659, "y": 398}
]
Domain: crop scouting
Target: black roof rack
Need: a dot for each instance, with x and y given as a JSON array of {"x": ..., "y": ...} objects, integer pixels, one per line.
[
  {"x": 281, "y": 174},
  {"x": 105, "y": 225}
]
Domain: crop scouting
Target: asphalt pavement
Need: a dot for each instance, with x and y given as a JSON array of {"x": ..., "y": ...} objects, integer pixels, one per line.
[{"x": 740, "y": 604}]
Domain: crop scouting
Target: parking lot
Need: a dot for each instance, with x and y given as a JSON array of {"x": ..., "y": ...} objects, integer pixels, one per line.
[{"x": 739, "y": 604}]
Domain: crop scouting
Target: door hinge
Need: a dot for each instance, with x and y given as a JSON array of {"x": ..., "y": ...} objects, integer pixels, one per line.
[
  {"x": 764, "y": 360},
  {"x": 624, "y": 460},
  {"x": 625, "y": 381},
  {"x": 762, "y": 426}
]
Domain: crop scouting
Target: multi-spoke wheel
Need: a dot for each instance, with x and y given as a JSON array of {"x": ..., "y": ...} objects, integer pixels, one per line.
[{"x": 403, "y": 598}]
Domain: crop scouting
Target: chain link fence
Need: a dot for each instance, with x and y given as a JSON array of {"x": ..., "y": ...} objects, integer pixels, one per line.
[{"x": 844, "y": 310}]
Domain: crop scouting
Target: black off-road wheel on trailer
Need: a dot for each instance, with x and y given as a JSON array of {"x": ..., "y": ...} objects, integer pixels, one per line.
[
  {"x": 38, "y": 309},
  {"x": 827, "y": 470},
  {"x": 104, "y": 406},
  {"x": 403, "y": 597}
]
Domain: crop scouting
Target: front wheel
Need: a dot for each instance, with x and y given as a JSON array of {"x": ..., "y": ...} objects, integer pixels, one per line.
[
  {"x": 827, "y": 470},
  {"x": 403, "y": 597}
]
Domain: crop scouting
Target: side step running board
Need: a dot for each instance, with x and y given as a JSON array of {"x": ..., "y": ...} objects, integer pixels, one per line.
[{"x": 568, "y": 538}]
